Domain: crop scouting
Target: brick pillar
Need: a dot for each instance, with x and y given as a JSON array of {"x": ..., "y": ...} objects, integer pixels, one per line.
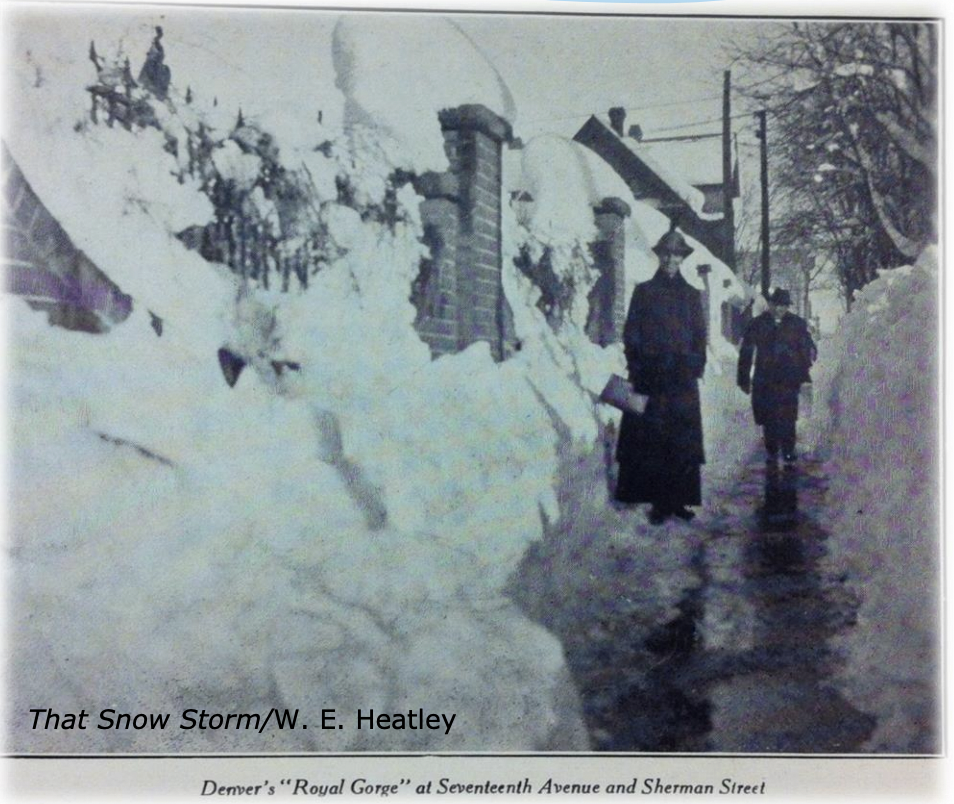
[
  {"x": 434, "y": 292},
  {"x": 473, "y": 137},
  {"x": 704, "y": 271},
  {"x": 608, "y": 297}
]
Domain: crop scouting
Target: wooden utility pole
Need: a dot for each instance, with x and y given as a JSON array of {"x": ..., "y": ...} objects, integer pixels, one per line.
[
  {"x": 763, "y": 136},
  {"x": 728, "y": 213}
]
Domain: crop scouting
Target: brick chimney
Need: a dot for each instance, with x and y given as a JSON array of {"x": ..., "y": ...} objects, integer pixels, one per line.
[{"x": 617, "y": 116}]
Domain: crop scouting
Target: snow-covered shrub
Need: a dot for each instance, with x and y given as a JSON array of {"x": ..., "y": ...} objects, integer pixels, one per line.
[
  {"x": 562, "y": 275},
  {"x": 551, "y": 242},
  {"x": 266, "y": 224}
]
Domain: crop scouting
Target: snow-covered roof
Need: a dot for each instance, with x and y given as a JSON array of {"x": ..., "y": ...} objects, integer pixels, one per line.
[
  {"x": 652, "y": 182},
  {"x": 528, "y": 167},
  {"x": 668, "y": 173},
  {"x": 699, "y": 162}
]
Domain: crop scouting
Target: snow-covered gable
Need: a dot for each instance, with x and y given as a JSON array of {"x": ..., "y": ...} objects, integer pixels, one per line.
[
  {"x": 655, "y": 184},
  {"x": 699, "y": 161}
]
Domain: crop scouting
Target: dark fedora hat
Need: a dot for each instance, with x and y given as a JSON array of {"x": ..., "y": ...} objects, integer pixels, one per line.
[
  {"x": 673, "y": 243},
  {"x": 781, "y": 296}
]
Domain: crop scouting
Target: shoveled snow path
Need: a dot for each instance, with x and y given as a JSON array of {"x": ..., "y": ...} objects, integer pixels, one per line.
[{"x": 708, "y": 636}]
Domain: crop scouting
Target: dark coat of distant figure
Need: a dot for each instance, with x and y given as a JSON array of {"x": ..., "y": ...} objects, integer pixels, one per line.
[
  {"x": 784, "y": 352},
  {"x": 660, "y": 451}
]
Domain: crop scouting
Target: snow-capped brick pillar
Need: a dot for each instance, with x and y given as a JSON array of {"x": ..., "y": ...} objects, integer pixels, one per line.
[
  {"x": 473, "y": 138},
  {"x": 41, "y": 264},
  {"x": 704, "y": 271},
  {"x": 608, "y": 297},
  {"x": 435, "y": 290}
]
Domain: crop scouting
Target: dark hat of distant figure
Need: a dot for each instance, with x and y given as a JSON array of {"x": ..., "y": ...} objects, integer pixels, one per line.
[
  {"x": 673, "y": 243},
  {"x": 781, "y": 296}
]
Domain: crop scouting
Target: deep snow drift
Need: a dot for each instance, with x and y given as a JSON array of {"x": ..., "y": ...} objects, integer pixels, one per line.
[
  {"x": 334, "y": 537},
  {"x": 876, "y": 422}
]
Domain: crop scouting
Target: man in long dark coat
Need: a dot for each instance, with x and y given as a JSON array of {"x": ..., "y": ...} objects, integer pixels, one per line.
[
  {"x": 784, "y": 352},
  {"x": 661, "y": 450}
]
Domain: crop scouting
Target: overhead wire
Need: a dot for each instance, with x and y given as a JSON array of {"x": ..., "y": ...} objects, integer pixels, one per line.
[
  {"x": 664, "y": 129},
  {"x": 704, "y": 122},
  {"x": 644, "y": 108}
]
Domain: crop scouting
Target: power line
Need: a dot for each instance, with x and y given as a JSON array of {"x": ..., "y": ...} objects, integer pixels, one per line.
[
  {"x": 703, "y": 122},
  {"x": 683, "y": 138},
  {"x": 629, "y": 109},
  {"x": 663, "y": 130}
]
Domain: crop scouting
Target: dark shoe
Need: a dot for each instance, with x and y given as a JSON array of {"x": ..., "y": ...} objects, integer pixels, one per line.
[
  {"x": 657, "y": 516},
  {"x": 771, "y": 459},
  {"x": 684, "y": 513},
  {"x": 790, "y": 458}
]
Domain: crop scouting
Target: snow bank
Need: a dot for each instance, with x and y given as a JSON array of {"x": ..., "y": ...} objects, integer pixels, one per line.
[
  {"x": 561, "y": 363},
  {"x": 339, "y": 535},
  {"x": 345, "y": 533},
  {"x": 876, "y": 422},
  {"x": 557, "y": 176}
]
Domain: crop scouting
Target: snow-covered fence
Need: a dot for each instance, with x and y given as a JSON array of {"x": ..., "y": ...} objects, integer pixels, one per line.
[
  {"x": 43, "y": 265},
  {"x": 112, "y": 95},
  {"x": 269, "y": 230},
  {"x": 252, "y": 251}
]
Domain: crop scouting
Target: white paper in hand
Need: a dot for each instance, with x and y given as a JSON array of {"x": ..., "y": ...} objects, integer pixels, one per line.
[{"x": 620, "y": 394}]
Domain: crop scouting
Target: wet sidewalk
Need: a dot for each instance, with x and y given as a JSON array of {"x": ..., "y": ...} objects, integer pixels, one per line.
[
  {"x": 760, "y": 661},
  {"x": 744, "y": 665}
]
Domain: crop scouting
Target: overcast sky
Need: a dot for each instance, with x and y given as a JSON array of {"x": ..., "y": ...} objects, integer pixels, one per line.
[
  {"x": 560, "y": 68},
  {"x": 666, "y": 72}
]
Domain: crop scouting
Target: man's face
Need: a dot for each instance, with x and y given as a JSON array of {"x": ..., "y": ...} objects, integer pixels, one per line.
[
  {"x": 778, "y": 310},
  {"x": 670, "y": 262}
]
